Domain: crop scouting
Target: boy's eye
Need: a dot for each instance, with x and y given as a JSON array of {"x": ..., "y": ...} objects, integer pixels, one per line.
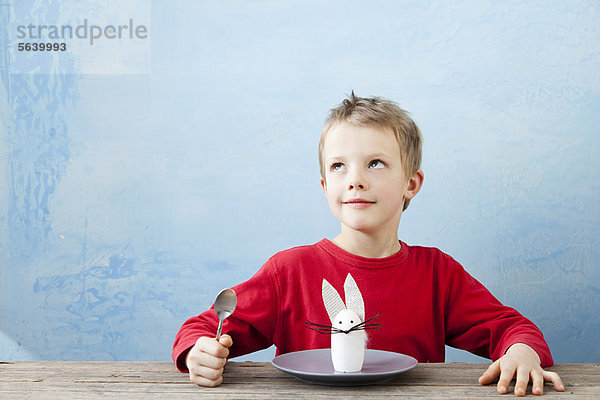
[
  {"x": 337, "y": 167},
  {"x": 376, "y": 164}
]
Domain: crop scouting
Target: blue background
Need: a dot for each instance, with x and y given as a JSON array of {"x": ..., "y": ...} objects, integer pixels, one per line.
[{"x": 128, "y": 201}]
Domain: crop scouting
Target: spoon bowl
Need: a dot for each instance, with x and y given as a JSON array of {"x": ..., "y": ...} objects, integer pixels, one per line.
[{"x": 224, "y": 306}]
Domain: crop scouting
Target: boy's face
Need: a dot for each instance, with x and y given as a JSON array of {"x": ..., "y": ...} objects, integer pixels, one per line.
[{"x": 365, "y": 183}]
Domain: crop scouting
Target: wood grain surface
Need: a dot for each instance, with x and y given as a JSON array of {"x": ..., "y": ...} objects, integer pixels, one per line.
[{"x": 250, "y": 380}]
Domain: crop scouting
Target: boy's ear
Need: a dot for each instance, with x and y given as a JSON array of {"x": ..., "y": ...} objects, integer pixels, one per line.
[
  {"x": 324, "y": 185},
  {"x": 414, "y": 184}
]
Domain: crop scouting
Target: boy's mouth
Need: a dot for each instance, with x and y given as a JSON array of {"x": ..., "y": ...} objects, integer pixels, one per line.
[{"x": 358, "y": 203}]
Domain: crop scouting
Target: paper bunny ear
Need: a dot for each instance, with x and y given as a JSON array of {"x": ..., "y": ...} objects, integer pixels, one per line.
[
  {"x": 354, "y": 299},
  {"x": 332, "y": 300}
]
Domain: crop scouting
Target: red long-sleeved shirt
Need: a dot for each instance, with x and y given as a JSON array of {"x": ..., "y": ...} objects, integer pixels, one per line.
[{"x": 424, "y": 298}]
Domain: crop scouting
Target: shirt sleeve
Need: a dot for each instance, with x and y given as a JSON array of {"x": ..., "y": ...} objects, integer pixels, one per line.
[
  {"x": 477, "y": 322},
  {"x": 251, "y": 326}
]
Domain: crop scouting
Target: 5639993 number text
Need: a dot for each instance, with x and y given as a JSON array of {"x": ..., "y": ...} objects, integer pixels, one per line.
[{"x": 42, "y": 46}]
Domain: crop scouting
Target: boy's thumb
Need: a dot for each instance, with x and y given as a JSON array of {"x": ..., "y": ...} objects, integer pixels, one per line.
[{"x": 226, "y": 340}]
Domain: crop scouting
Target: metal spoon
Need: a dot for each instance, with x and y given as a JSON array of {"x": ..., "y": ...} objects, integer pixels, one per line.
[{"x": 224, "y": 306}]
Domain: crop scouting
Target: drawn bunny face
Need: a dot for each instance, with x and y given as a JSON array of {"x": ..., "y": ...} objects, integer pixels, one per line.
[{"x": 345, "y": 320}]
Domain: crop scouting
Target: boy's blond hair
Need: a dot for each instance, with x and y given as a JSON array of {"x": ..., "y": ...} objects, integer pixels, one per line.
[{"x": 380, "y": 113}]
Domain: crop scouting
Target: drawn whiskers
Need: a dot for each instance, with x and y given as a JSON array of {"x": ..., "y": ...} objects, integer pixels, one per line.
[{"x": 330, "y": 330}]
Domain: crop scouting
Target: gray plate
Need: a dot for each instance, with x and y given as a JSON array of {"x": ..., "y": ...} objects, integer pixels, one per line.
[{"x": 315, "y": 366}]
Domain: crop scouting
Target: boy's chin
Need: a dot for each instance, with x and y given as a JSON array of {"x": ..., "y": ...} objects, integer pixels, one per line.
[
  {"x": 369, "y": 227},
  {"x": 361, "y": 229}
]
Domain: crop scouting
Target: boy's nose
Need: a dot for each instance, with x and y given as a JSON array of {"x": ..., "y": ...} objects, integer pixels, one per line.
[
  {"x": 357, "y": 179},
  {"x": 357, "y": 182},
  {"x": 358, "y": 186}
]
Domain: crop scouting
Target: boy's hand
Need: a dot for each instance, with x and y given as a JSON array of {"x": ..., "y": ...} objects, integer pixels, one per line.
[
  {"x": 525, "y": 362},
  {"x": 206, "y": 360}
]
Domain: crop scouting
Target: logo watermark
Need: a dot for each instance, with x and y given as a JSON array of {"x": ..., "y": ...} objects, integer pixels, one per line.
[
  {"x": 33, "y": 32},
  {"x": 83, "y": 37}
]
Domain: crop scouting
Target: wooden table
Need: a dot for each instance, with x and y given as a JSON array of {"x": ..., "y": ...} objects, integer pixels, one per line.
[{"x": 250, "y": 380}]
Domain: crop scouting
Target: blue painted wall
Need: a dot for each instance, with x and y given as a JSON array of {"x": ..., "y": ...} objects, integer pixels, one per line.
[{"x": 128, "y": 200}]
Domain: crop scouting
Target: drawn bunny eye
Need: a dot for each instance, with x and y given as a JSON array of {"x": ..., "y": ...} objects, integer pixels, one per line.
[
  {"x": 351, "y": 321},
  {"x": 340, "y": 322}
]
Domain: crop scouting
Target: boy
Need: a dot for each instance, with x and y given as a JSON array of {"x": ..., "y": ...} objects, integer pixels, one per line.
[{"x": 370, "y": 155}]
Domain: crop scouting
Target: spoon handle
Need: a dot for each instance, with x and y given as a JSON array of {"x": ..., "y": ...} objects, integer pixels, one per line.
[{"x": 219, "y": 329}]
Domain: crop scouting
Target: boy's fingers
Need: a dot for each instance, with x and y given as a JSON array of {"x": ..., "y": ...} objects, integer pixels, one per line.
[
  {"x": 522, "y": 381},
  {"x": 490, "y": 374},
  {"x": 201, "y": 381},
  {"x": 205, "y": 372},
  {"x": 506, "y": 375},
  {"x": 555, "y": 379},
  {"x": 226, "y": 340},
  {"x": 537, "y": 383},
  {"x": 210, "y": 361},
  {"x": 212, "y": 347}
]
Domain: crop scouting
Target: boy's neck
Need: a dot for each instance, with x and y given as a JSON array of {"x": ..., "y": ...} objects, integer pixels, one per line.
[{"x": 365, "y": 245}]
